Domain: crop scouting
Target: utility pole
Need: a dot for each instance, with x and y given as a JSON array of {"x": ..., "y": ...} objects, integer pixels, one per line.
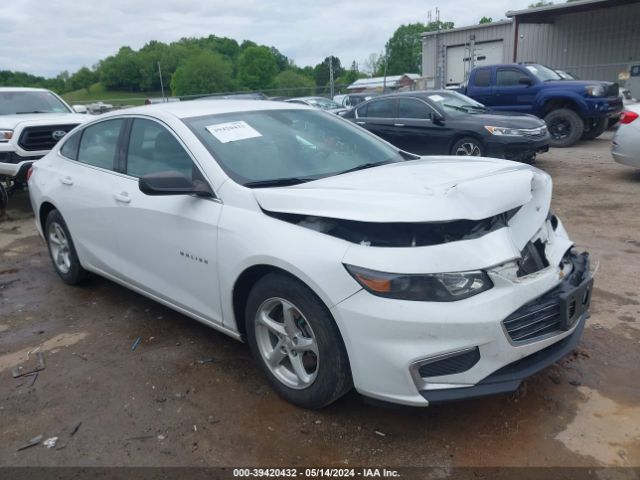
[
  {"x": 331, "y": 76},
  {"x": 161, "y": 83}
]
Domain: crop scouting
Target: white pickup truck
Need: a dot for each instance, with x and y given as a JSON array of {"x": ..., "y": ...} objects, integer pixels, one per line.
[{"x": 32, "y": 121}]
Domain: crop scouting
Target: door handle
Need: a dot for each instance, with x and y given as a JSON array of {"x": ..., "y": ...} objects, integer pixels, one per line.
[
  {"x": 122, "y": 197},
  {"x": 398, "y": 124},
  {"x": 66, "y": 180},
  {"x": 361, "y": 123}
]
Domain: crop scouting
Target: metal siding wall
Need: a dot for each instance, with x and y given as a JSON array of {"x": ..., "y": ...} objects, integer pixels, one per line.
[
  {"x": 502, "y": 32},
  {"x": 594, "y": 45}
]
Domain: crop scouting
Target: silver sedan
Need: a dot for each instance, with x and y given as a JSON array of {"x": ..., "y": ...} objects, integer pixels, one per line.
[{"x": 625, "y": 148}]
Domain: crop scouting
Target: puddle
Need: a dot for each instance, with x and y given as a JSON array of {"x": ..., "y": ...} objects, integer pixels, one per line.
[
  {"x": 63, "y": 340},
  {"x": 605, "y": 430}
]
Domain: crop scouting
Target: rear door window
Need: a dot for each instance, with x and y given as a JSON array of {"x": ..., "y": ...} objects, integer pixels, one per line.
[
  {"x": 483, "y": 77},
  {"x": 380, "y": 109},
  {"x": 70, "y": 147},
  {"x": 99, "y": 144}
]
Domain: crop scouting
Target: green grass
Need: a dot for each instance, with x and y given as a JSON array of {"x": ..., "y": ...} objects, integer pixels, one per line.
[{"x": 115, "y": 97}]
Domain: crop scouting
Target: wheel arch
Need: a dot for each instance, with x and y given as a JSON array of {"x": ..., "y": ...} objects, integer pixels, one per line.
[
  {"x": 245, "y": 282},
  {"x": 551, "y": 104},
  {"x": 43, "y": 212}
]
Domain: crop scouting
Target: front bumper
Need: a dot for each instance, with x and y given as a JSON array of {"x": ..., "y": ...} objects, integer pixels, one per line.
[
  {"x": 388, "y": 339},
  {"x": 516, "y": 148},
  {"x": 509, "y": 377},
  {"x": 14, "y": 165},
  {"x": 604, "y": 107}
]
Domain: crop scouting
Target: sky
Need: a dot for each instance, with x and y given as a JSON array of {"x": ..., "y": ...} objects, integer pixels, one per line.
[{"x": 45, "y": 37}]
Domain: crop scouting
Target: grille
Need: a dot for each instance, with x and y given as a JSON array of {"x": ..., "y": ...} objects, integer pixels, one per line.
[
  {"x": 542, "y": 315},
  {"x": 613, "y": 90},
  {"x": 535, "y": 319},
  {"x": 455, "y": 363},
  {"x": 41, "y": 138},
  {"x": 539, "y": 132}
]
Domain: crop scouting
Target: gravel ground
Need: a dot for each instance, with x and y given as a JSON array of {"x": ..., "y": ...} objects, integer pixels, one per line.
[{"x": 189, "y": 396}]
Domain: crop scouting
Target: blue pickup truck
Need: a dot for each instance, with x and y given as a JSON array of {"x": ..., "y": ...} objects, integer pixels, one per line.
[{"x": 572, "y": 109}]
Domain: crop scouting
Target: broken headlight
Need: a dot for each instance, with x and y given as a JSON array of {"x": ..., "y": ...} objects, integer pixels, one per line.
[{"x": 432, "y": 287}]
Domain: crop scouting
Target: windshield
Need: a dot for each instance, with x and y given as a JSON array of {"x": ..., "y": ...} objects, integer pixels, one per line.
[
  {"x": 543, "y": 73},
  {"x": 271, "y": 147},
  {"x": 12, "y": 103},
  {"x": 454, "y": 103}
]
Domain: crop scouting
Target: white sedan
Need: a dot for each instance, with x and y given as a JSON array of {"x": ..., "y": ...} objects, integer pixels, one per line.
[
  {"x": 625, "y": 147},
  {"x": 339, "y": 259}
]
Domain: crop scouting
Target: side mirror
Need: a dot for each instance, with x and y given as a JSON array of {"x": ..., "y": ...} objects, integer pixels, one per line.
[
  {"x": 436, "y": 118},
  {"x": 525, "y": 81},
  {"x": 172, "y": 183},
  {"x": 79, "y": 109}
]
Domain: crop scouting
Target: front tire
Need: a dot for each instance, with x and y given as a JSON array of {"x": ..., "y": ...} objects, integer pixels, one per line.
[
  {"x": 62, "y": 250},
  {"x": 294, "y": 339},
  {"x": 565, "y": 127},
  {"x": 468, "y": 147}
]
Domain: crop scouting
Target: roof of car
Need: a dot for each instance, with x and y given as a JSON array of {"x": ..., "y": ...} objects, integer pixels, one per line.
[
  {"x": 413, "y": 93},
  {"x": 22, "y": 89},
  {"x": 198, "y": 108}
]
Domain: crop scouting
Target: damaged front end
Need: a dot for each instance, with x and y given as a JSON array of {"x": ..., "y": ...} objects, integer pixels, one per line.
[{"x": 399, "y": 234}]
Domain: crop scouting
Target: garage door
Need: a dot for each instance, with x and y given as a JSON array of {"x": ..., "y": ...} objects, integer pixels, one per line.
[{"x": 486, "y": 53}]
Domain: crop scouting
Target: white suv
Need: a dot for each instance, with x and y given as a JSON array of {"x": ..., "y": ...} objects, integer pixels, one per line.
[{"x": 32, "y": 121}]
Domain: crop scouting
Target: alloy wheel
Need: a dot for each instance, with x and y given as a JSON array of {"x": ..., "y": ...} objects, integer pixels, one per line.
[
  {"x": 287, "y": 343},
  {"x": 468, "y": 149},
  {"x": 559, "y": 129},
  {"x": 60, "y": 249}
]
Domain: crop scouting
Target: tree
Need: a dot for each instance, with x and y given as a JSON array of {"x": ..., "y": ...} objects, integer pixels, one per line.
[
  {"x": 404, "y": 48},
  {"x": 83, "y": 78},
  {"x": 121, "y": 71},
  {"x": 204, "y": 72},
  {"x": 292, "y": 84},
  {"x": 257, "y": 67},
  {"x": 374, "y": 64},
  {"x": 350, "y": 76},
  {"x": 540, "y": 4},
  {"x": 484, "y": 20},
  {"x": 321, "y": 70}
]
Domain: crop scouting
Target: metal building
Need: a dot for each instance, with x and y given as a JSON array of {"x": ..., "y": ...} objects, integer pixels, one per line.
[{"x": 592, "y": 39}]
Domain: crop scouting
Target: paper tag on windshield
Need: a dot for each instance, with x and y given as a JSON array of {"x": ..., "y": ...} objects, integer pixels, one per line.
[
  {"x": 436, "y": 98},
  {"x": 233, "y": 131}
]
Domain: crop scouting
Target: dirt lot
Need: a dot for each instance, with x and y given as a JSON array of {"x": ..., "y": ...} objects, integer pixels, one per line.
[{"x": 189, "y": 396}]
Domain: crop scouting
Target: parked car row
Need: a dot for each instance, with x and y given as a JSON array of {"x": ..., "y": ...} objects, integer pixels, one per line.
[{"x": 442, "y": 122}]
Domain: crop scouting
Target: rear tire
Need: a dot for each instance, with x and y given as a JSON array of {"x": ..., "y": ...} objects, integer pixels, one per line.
[
  {"x": 597, "y": 128},
  {"x": 301, "y": 351},
  {"x": 62, "y": 250},
  {"x": 468, "y": 147},
  {"x": 565, "y": 127}
]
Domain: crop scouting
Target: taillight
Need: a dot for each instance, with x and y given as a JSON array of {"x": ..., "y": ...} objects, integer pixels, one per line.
[
  {"x": 29, "y": 173},
  {"x": 628, "y": 117}
]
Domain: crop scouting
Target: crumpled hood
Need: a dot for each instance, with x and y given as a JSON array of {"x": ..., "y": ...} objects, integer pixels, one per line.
[
  {"x": 431, "y": 189},
  {"x": 10, "y": 122}
]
